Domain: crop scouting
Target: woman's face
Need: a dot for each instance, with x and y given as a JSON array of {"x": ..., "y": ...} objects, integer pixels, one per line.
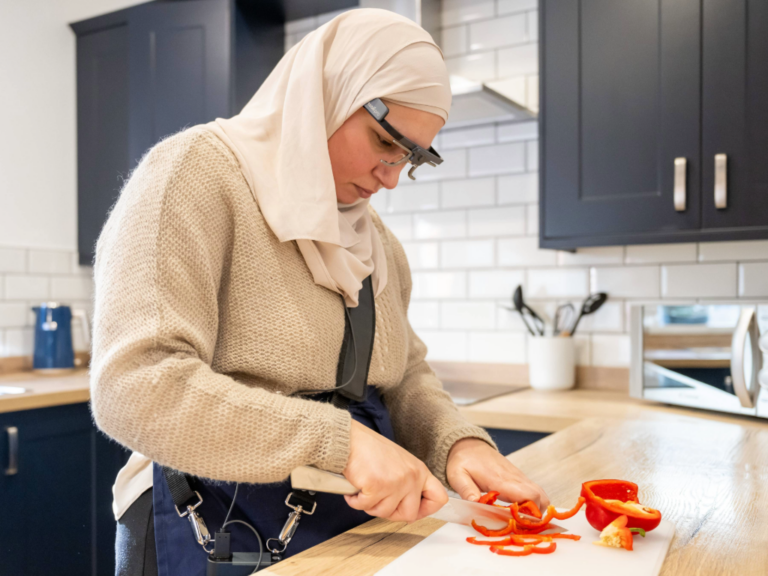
[{"x": 357, "y": 148}]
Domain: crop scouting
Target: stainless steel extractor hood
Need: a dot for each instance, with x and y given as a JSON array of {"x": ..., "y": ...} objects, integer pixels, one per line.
[{"x": 473, "y": 102}]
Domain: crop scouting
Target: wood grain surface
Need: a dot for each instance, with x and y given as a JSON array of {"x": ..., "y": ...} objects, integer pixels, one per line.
[{"x": 709, "y": 478}]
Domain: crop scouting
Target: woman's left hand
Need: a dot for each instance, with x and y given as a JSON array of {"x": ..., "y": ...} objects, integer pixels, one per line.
[{"x": 474, "y": 467}]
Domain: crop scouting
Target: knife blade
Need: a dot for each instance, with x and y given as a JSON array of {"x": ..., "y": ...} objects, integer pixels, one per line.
[{"x": 456, "y": 511}]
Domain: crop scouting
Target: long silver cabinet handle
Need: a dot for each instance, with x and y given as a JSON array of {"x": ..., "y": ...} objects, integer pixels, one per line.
[
  {"x": 746, "y": 334},
  {"x": 681, "y": 165},
  {"x": 13, "y": 450},
  {"x": 721, "y": 181}
]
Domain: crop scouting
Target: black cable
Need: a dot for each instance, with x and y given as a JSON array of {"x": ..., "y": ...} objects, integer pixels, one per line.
[
  {"x": 354, "y": 371},
  {"x": 231, "y": 506},
  {"x": 252, "y": 529}
]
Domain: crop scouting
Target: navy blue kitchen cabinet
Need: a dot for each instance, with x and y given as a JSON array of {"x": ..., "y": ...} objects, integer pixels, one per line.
[
  {"x": 653, "y": 124},
  {"x": 509, "y": 441},
  {"x": 55, "y": 509}
]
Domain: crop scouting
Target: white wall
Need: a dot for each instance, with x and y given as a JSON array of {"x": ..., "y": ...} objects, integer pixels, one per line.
[
  {"x": 38, "y": 163},
  {"x": 38, "y": 150}
]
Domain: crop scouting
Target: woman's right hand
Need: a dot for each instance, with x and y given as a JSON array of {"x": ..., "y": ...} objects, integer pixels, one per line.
[{"x": 393, "y": 483}]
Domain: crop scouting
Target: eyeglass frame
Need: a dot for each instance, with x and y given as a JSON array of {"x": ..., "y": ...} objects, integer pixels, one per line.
[{"x": 415, "y": 154}]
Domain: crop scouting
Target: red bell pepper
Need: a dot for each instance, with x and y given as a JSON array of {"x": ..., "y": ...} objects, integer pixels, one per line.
[
  {"x": 526, "y": 551},
  {"x": 609, "y": 499},
  {"x": 488, "y": 498}
]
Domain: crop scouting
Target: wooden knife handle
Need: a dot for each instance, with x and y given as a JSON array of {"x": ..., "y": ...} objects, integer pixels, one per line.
[{"x": 316, "y": 480}]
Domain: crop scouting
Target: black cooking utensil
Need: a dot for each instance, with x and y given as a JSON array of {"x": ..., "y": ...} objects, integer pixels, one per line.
[
  {"x": 527, "y": 312},
  {"x": 590, "y": 306}
]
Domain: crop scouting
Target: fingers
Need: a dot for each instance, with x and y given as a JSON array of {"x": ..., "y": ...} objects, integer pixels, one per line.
[
  {"x": 433, "y": 497},
  {"x": 463, "y": 484}
]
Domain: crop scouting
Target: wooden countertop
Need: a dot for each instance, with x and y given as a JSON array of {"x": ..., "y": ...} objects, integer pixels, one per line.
[
  {"x": 44, "y": 390},
  {"x": 707, "y": 473}
]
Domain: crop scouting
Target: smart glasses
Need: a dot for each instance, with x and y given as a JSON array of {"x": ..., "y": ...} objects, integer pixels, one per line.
[{"x": 414, "y": 153}]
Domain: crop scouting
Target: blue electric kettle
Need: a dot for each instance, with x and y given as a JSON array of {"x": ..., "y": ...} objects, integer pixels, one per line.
[{"x": 53, "y": 336}]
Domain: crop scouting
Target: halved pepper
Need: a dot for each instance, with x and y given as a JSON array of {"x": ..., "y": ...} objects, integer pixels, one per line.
[{"x": 607, "y": 500}]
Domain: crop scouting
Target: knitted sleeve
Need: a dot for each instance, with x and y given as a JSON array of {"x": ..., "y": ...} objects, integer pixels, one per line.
[
  {"x": 158, "y": 273},
  {"x": 425, "y": 419}
]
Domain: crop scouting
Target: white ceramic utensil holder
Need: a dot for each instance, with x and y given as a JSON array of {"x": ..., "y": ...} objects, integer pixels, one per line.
[{"x": 551, "y": 363}]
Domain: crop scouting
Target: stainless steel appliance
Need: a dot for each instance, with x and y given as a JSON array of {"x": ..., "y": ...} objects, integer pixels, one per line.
[{"x": 701, "y": 355}]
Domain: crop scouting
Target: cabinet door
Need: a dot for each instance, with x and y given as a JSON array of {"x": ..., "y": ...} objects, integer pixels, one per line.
[
  {"x": 47, "y": 508},
  {"x": 180, "y": 69},
  {"x": 620, "y": 101},
  {"x": 735, "y": 113},
  {"x": 102, "y": 130}
]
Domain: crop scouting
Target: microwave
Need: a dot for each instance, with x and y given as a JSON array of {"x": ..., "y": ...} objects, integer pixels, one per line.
[{"x": 708, "y": 356}]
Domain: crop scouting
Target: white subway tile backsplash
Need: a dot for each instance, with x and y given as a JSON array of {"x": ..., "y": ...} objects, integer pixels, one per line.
[
  {"x": 400, "y": 225},
  {"x": 533, "y": 25},
  {"x": 461, "y": 11},
  {"x": 380, "y": 201},
  {"x": 724, "y": 251},
  {"x": 508, "y": 320},
  {"x": 509, "y": 6},
  {"x": 49, "y": 262},
  {"x": 414, "y": 198},
  {"x": 608, "y": 318},
  {"x": 67, "y": 288},
  {"x": 467, "y": 254},
  {"x": 532, "y": 220},
  {"x": 627, "y": 282},
  {"x": 424, "y": 315},
  {"x": 431, "y": 285},
  {"x": 505, "y": 31},
  {"x": 753, "y": 280},
  {"x": 26, "y": 287},
  {"x": 524, "y": 252},
  {"x": 18, "y": 342},
  {"x": 517, "y": 131},
  {"x": 454, "y": 41},
  {"x": 501, "y": 221},
  {"x": 583, "y": 346},
  {"x": 532, "y": 156},
  {"x": 518, "y": 61},
  {"x": 13, "y": 314},
  {"x": 650, "y": 253},
  {"x": 465, "y": 137},
  {"x": 445, "y": 345},
  {"x": 495, "y": 283},
  {"x": 497, "y": 347},
  {"x": 497, "y": 159},
  {"x": 591, "y": 256},
  {"x": 518, "y": 189},
  {"x": 471, "y": 192},
  {"x": 450, "y": 224},
  {"x": 422, "y": 255},
  {"x": 610, "y": 350},
  {"x": 557, "y": 283},
  {"x": 699, "y": 281},
  {"x": 468, "y": 315},
  {"x": 479, "y": 67},
  {"x": 13, "y": 260}
]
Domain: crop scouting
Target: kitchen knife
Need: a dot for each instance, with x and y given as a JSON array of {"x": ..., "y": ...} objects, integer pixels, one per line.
[{"x": 456, "y": 511}]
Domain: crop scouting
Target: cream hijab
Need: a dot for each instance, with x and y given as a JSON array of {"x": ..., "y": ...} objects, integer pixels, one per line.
[{"x": 281, "y": 136}]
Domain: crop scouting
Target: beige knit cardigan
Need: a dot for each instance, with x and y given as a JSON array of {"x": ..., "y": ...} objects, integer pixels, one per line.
[{"x": 205, "y": 324}]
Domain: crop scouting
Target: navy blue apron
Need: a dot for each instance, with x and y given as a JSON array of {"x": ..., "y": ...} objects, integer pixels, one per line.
[{"x": 263, "y": 505}]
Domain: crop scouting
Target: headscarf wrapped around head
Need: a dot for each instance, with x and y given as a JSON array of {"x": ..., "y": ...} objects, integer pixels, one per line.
[{"x": 281, "y": 136}]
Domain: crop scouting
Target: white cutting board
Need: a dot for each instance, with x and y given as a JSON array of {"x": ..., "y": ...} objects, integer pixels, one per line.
[{"x": 446, "y": 552}]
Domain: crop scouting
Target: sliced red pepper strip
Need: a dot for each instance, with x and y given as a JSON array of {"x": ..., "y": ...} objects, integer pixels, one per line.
[
  {"x": 508, "y": 529},
  {"x": 572, "y": 512},
  {"x": 530, "y": 508},
  {"x": 488, "y": 498},
  {"x": 527, "y": 550},
  {"x": 516, "y": 539},
  {"x": 530, "y": 523}
]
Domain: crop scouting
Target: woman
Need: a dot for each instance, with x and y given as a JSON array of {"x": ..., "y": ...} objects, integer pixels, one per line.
[{"x": 222, "y": 277}]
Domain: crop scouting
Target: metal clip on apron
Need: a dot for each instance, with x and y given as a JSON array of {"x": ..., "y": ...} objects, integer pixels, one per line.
[{"x": 351, "y": 384}]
